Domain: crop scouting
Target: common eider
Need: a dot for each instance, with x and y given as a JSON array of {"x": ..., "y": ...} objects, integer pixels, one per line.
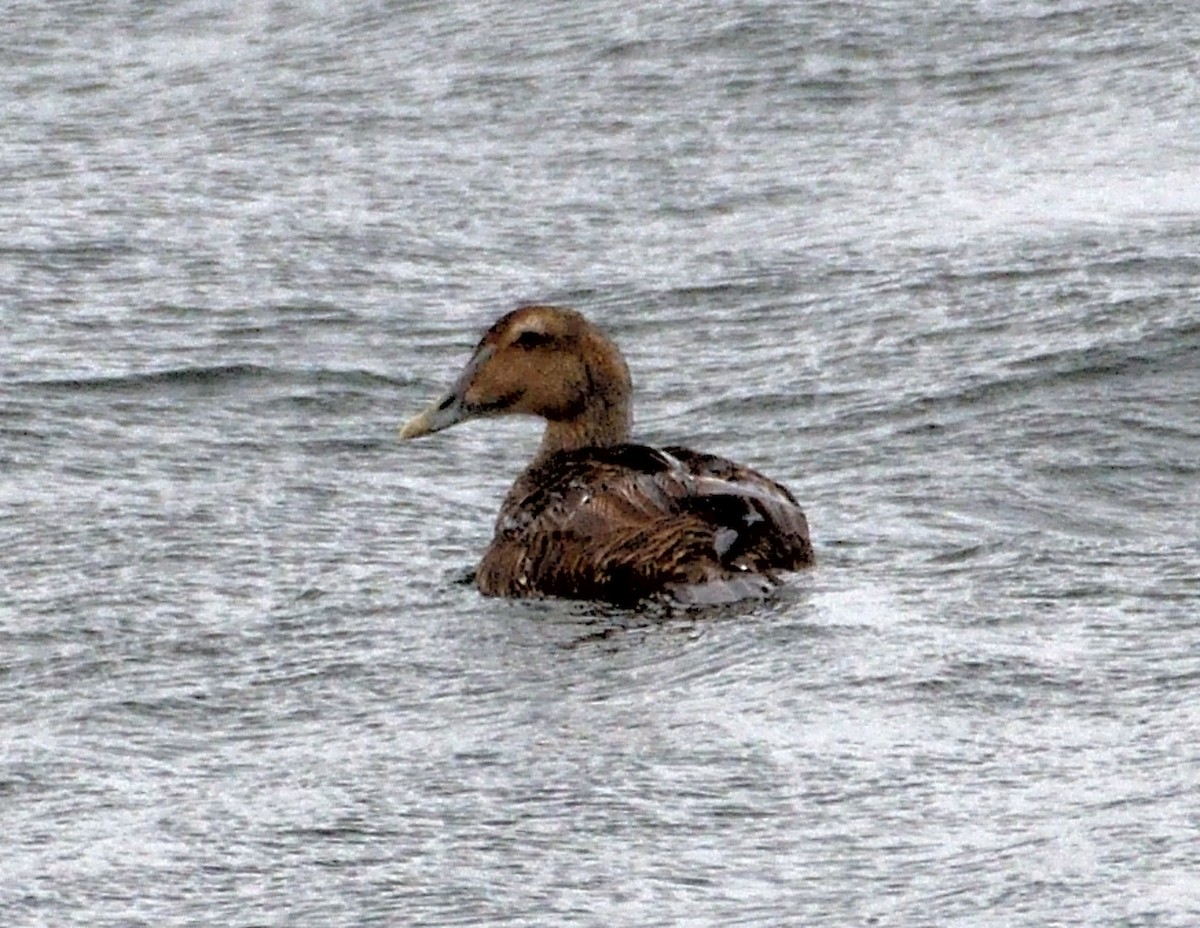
[{"x": 595, "y": 516}]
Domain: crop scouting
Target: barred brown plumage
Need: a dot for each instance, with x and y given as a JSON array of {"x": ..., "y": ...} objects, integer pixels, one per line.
[{"x": 595, "y": 516}]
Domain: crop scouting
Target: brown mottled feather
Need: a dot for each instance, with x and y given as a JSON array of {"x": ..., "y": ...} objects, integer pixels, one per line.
[
  {"x": 593, "y": 516},
  {"x": 594, "y": 525}
]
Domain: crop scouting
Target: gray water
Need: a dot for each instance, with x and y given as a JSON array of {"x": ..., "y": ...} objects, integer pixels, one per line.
[{"x": 936, "y": 266}]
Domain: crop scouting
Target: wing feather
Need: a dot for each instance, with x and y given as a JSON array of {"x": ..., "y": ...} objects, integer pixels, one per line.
[{"x": 634, "y": 522}]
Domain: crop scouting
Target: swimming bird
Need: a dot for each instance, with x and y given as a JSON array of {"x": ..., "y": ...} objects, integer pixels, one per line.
[{"x": 594, "y": 515}]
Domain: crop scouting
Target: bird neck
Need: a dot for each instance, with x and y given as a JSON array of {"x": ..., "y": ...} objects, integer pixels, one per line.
[{"x": 606, "y": 420}]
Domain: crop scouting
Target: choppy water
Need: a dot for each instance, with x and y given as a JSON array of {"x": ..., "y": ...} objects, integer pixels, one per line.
[{"x": 936, "y": 266}]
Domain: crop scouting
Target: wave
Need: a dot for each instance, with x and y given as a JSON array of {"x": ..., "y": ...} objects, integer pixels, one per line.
[
  {"x": 1173, "y": 349},
  {"x": 1166, "y": 349},
  {"x": 215, "y": 376}
]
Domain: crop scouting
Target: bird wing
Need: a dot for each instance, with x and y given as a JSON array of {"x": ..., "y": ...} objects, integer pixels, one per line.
[{"x": 627, "y": 523}]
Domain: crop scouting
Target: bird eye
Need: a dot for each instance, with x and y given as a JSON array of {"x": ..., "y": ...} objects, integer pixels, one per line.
[{"x": 531, "y": 338}]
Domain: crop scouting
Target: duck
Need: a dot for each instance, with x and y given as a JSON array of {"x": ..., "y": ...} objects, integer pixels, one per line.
[{"x": 595, "y": 515}]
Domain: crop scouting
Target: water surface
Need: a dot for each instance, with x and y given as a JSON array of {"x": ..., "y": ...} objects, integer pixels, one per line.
[{"x": 933, "y": 266}]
